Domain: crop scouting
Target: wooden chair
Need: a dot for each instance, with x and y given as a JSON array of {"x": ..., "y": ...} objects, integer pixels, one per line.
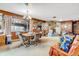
[
  {"x": 35, "y": 40},
  {"x": 2, "y": 40},
  {"x": 14, "y": 36}
]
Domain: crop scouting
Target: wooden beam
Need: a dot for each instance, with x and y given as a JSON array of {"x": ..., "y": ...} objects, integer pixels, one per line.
[{"x": 10, "y": 13}]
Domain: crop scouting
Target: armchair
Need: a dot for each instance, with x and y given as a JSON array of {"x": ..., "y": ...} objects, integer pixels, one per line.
[{"x": 73, "y": 51}]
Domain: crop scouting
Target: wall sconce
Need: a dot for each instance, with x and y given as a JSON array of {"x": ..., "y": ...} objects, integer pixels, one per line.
[{"x": 65, "y": 26}]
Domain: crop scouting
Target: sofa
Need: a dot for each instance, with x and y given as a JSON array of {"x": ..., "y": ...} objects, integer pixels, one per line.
[{"x": 73, "y": 51}]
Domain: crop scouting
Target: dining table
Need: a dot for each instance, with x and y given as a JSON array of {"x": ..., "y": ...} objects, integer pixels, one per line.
[{"x": 30, "y": 36}]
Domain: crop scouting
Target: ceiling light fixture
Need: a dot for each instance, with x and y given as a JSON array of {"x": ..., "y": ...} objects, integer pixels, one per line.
[
  {"x": 27, "y": 17},
  {"x": 54, "y": 18}
]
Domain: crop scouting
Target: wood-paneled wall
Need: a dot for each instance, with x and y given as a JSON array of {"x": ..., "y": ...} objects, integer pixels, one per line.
[
  {"x": 66, "y": 26},
  {"x": 76, "y": 27},
  {"x": 35, "y": 22}
]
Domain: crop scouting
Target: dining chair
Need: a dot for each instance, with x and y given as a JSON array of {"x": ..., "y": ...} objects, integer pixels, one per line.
[
  {"x": 24, "y": 40},
  {"x": 35, "y": 40}
]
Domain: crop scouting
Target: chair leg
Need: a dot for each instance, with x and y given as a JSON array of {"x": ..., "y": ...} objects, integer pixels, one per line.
[
  {"x": 26, "y": 44},
  {"x": 36, "y": 43}
]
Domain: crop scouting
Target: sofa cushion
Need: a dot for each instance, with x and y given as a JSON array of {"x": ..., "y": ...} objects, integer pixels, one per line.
[{"x": 15, "y": 44}]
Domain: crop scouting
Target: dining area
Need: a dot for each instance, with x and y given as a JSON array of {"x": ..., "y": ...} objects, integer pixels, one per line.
[{"x": 30, "y": 38}]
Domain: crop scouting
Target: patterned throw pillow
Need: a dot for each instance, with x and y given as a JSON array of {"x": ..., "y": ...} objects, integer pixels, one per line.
[{"x": 65, "y": 43}]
